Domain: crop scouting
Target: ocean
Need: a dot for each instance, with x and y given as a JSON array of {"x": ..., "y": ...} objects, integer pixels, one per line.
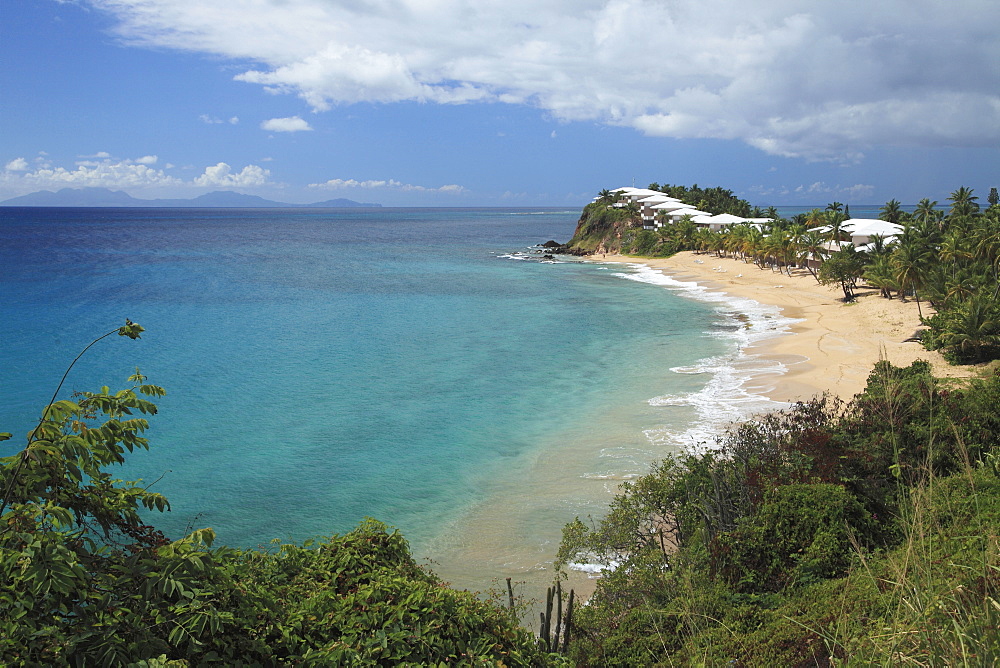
[{"x": 419, "y": 366}]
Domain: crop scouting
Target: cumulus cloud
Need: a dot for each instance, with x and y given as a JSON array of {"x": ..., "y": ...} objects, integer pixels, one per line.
[
  {"x": 821, "y": 80},
  {"x": 123, "y": 173},
  {"x": 293, "y": 124},
  {"x": 222, "y": 175},
  {"x": 108, "y": 173},
  {"x": 344, "y": 184}
]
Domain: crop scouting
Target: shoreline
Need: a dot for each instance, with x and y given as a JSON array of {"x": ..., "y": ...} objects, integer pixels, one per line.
[
  {"x": 831, "y": 345},
  {"x": 802, "y": 341}
]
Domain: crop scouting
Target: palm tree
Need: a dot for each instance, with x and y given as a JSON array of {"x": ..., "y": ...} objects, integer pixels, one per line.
[
  {"x": 835, "y": 207},
  {"x": 633, "y": 213},
  {"x": 784, "y": 249},
  {"x": 816, "y": 218},
  {"x": 987, "y": 240},
  {"x": 963, "y": 202},
  {"x": 973, "y": 324},
  {"x": 909, "y": 261},
  {"x": 925, "y": 210},
  {"x": 880, "y": 274},
  {"x": 684, "y": 232},
  {"x": 735, "y": 236},
  {"x": 836, "y": 223},
  {"x": 954, "y": 249},
  {"x": 752, "y": 245},
  {"x": 811, "y": 247},
  {"x": 878, "y": 246},
  {"x": 891, "y": 212},
  {"x": 606, "y": 197},
  {"x": 703, "y": 239}
]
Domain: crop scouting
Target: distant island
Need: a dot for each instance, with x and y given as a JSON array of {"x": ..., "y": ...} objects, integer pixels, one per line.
[{"x": 104, "y": 197}]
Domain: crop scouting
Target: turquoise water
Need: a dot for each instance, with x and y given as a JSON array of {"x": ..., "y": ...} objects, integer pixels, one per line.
[{"x": 406, "y": 364}]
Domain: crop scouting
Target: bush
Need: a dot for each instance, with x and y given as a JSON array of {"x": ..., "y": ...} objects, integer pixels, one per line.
[{"x": 800, "y": 534}]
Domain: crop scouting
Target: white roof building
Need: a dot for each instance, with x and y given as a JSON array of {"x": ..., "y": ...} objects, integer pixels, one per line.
[
  {"x": 636, "y": 194},
  {"x": 658, "y": 199},
  {"x": 670, "y": 206},
  {"x": 677, "y": 214},
  {"x": 863, "y": 229}
]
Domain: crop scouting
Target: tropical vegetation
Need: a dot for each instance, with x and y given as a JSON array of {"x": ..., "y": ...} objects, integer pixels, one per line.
[
  {"x": 948, "y": 259},
  {"x": 825, "y": 534},
  {"x": 830, "y": 533}
]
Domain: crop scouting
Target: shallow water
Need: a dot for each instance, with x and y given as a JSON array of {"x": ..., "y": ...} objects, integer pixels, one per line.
[{"x": 406, "y": 364}]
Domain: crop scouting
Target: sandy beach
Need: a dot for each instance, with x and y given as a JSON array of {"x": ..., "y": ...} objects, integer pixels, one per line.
[{"x": 834, "y": 344}]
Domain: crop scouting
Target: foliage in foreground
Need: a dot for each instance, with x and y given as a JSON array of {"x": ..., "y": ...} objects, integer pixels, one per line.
[
  {"x": 84, "y": 581},
  {"x": 825, "y": 534}
]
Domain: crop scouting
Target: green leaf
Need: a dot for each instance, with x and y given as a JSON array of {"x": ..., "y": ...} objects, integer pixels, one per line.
[{"x": 131, "y": 330}]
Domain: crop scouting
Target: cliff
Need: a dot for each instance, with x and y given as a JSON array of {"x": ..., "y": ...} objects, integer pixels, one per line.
[{"x": 602, "y": 229}]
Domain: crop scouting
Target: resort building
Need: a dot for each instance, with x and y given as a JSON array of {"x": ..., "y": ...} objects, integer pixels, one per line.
[
  {"x": 656, "y": 208},
  {"x": 863, "y": 229}
]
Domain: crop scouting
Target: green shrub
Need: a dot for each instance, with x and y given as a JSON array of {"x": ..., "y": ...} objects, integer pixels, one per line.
[{"x": 802, "y": 533}]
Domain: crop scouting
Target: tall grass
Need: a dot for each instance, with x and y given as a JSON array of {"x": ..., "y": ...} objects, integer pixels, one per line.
[{"x": 938, "y": 592}]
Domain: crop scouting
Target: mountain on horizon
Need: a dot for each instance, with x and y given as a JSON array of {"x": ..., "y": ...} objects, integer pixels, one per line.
[{"x": 105, "y": 197}]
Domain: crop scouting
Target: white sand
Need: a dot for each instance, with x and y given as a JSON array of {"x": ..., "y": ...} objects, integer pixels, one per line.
[{"x": 835, "y": 344}]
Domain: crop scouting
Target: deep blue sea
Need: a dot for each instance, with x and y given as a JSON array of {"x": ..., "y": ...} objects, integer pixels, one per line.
[{"x": 418, "y": 366}]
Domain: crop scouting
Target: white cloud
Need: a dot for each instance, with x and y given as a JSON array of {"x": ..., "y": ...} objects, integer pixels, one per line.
[
  {"x": 106, "y": 174},
  {"x": 293, "y": 124},
  {"x": 215, "y": 120},
  {"x": 116, "y": 173},
  {"x": 859, "y": 191},
  {"x": 344, "y": 184},
  {"x": 222, "y": 175},
  {"x": 821, "y": 80}
]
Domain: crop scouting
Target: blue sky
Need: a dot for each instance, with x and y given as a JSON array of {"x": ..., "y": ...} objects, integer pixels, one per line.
[{"x": 514, "y": 103}]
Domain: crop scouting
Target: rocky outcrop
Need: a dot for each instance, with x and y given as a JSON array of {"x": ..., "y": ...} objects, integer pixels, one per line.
[{"x": 600, "y": 230}]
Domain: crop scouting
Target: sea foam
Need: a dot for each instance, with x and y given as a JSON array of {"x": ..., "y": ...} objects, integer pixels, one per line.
[{"x": 727, "y": 398}]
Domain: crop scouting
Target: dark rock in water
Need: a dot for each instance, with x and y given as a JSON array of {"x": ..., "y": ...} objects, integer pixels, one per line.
[
  {"x": 559, "y": 249},
  {"x": 548, "y": 257}
]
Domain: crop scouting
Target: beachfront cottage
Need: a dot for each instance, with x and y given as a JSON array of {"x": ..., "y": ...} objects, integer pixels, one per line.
[{"x": 863, "y": 229}]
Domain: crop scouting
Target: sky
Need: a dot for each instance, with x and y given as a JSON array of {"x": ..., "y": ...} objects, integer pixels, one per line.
[{"x": 501, "y": 102}]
